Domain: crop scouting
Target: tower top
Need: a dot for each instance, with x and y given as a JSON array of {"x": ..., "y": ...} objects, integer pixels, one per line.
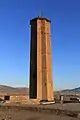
[
  {"x": 40, "y": 14},
  {"x": 39, "y": 18}
]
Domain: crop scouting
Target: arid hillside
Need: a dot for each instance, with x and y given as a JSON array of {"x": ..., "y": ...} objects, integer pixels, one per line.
[
  {"x": 24, "y": 90},
  {"x": 11, "y": 90}
]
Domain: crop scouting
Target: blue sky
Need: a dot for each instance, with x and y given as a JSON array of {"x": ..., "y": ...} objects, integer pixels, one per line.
[{"x": 15, "y": 40}]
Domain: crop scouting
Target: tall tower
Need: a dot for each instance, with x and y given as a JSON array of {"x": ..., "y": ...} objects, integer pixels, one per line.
[{"x": 41, "y": 86}]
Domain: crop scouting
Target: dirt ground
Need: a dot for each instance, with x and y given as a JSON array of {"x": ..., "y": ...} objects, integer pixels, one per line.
[
  {"x": 27, "y": 115},
  {"x": 67, "y": 106}
]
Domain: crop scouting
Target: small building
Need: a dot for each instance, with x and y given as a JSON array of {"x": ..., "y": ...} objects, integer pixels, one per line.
[
  {"x": 14, "y": 97},
  {"x": 18, "y": 98}
]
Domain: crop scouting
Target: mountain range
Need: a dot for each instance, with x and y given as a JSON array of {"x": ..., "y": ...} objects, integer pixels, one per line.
[
  {"x": 72, "y": 90},
  {"x": 13, "y": 90},
  {"x": 24, "y": 90}
]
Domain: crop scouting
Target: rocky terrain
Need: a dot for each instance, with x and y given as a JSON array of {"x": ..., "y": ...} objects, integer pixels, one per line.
[
  {"x": 27, "y": 115},
  {"x": 33, "y": 112}
]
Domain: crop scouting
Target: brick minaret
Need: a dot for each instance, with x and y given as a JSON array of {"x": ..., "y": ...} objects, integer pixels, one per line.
[{"x": 41, "y": 86}]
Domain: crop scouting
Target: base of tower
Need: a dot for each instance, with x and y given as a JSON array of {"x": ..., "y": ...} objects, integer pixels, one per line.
[
  {"x": 33, "y": 101},
  {"x": 40, "y": 102},
  {"x": 46, "y": 102}
]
